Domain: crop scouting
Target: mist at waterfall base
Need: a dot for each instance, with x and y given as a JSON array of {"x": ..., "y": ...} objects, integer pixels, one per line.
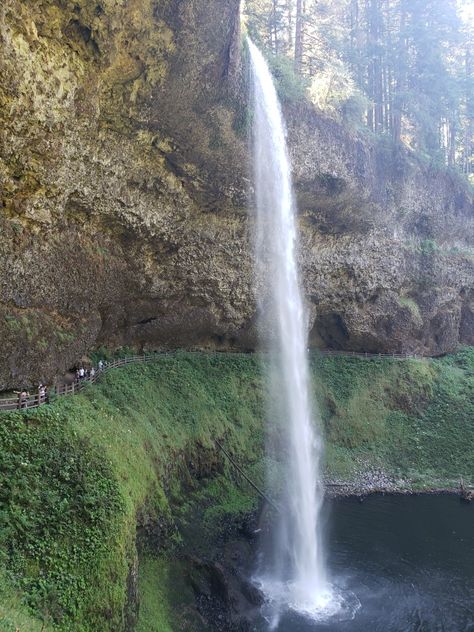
[
  {"x": 292, "y": 572},
  {"x": 409, "y": 560}
]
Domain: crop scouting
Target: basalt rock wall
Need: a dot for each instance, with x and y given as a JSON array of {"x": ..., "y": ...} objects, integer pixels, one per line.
[{"x": 124, "y": 173}]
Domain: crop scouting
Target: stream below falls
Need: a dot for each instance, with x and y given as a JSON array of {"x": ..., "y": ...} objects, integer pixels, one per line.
[{"x": 405, "y": 564}]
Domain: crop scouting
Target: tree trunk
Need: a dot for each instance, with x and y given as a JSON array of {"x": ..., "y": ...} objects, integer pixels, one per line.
[
  {"x": 400, "y": 76},
  {"x": 452, "y": 143},
  {"x": 356, "y": 42},
  {"x": 274, "y": 25},
  {"x": 468, "y": 163},
  {"x": 289, "y": 10},
  {"x": 375, "y": 79},
  {"x": 299, "y": 35}
]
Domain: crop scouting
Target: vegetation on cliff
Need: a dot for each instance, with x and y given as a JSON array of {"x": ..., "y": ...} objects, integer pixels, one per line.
[
  {"x": 397, "y": 68},
  {"x": 139, "y": 449},
  {"x": 78, "y": 475},
  {"x": 410, "y": 419}
]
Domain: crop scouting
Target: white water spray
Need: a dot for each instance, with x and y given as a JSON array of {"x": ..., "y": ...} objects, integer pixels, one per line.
[{"x": 296, "y": 576}]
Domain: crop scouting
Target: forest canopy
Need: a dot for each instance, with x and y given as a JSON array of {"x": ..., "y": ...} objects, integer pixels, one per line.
[{"x": 399, "y": 68}]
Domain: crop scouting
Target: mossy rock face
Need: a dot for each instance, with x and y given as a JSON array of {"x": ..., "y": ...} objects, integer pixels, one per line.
[
  {"x": 107, "y": 166},
  {"x": 125, "y": 187}
]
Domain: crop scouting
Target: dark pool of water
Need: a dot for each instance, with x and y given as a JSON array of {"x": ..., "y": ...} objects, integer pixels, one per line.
[{"x": 408, "y": 559}]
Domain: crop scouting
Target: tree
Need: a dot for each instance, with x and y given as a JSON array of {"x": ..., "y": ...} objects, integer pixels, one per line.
[
  {"x": 299, "y": 35},
  {"x": 409, "y": 61}
]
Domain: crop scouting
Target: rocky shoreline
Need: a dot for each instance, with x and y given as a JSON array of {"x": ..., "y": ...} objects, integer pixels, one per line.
[
  {"x": 383, "y": 485},
  {"x": 350, "y": 490}
]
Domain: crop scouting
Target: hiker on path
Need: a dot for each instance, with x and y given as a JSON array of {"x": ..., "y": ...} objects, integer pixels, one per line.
[{"x": 23, "y": 399}]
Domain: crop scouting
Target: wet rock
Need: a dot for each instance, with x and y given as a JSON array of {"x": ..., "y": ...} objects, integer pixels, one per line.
[
  {"x": 153, "y": 530},
  {"x": 210, "y": 585},
  {"x": 209, "y": 580},
  {"x": 253, "y": 594},
  {"x": 133, "y": 598},
  {"x": 225, "y": 596}
]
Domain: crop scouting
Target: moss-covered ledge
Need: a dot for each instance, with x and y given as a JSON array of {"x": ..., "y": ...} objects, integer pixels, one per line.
[{"x": 138, "y": 450}]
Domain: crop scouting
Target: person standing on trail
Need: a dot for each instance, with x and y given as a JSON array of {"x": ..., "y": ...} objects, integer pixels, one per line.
[
  {"x": 23, "y": 399},
  {"x": 101, "y": 365},
  {"x": 41, "y": 394},
  {"x": 82, "y": 373}
]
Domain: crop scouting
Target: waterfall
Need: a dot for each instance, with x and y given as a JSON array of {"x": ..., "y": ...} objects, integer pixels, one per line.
[{"x": 295, "y": 573}]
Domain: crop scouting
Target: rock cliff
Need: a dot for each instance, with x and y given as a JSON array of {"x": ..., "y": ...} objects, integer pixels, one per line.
[{"x": 124, "y": 173}]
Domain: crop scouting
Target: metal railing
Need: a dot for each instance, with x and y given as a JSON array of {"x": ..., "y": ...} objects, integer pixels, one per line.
[
  {"x": 33, "y": 401},
  {"x": 362, "y": 354},
  {"x": 60, "y": 390}
]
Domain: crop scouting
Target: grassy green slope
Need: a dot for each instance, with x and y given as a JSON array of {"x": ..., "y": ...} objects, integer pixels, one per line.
[
  {"x": 413, "y": 419},
  {"x": 75, "y": 475},
  {"x": 13, "y": 615}
]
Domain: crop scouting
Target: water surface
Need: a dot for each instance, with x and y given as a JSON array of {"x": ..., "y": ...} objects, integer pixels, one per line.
[{"x": 405, "y": 562}]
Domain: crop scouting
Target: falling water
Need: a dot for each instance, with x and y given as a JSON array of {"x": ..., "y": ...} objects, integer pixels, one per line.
[
  {"x": 297, "y": 575},
  {"x": 293, "y": 576}
]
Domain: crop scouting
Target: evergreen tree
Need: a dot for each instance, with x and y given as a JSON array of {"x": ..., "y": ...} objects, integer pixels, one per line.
[{"x": 408, "y": 63}]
